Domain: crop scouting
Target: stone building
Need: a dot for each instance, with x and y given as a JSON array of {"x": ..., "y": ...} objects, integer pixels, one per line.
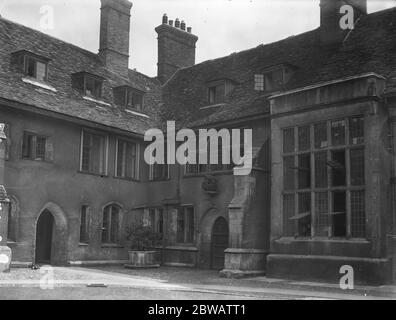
[{"x": 320, "y": 104}]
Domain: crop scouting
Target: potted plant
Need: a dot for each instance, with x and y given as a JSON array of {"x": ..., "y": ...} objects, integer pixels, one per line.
[{"x": 142, "y": 240}]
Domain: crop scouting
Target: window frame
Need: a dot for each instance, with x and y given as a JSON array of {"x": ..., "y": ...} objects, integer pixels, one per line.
[
  {"x": 85, "y": 76},
  {"x": 125, "y": 91},
  {"x": 105, "y": 152},
  {"x": 21, "y": 59},
  {"x": 227, "y": 85},
  {"x": 85, "y": 240},
  {"x": 348, "y": 147},
  {"x": 137, "y": 155},
  {"x": 110, "y": 235},
  {"x": 186, "y": 240},
  {"x": 34, "y": 147}
]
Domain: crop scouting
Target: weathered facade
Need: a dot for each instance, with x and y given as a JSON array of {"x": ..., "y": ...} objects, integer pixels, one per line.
[{"x": 320, "y": 194}]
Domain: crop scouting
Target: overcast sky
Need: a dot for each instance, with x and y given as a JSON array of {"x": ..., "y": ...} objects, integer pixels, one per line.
[{"x": 223, "y": 26}]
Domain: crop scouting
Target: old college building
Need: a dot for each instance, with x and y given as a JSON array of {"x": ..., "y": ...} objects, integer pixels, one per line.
[{"x": 320, "y": 195}]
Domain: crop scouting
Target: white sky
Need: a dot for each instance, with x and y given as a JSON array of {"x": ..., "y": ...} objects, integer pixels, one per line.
[{"x": 223, "y": 26}]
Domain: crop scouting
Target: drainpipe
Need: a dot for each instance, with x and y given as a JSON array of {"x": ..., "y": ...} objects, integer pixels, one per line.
[{"x": 5, "y": 252}]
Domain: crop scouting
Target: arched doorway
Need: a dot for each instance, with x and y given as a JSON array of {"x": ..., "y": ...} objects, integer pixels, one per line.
[
  {"x": 220, "y": 236},
  {"x": 44, "y": 236}
]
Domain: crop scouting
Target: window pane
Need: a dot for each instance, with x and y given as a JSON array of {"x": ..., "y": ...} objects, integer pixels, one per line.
[
  {"x": 358, "y": 223},
  {"x": 30, "y": 67},
  {"x": 120, "y": 158},
  {"x": 97, "y": 154},
  {"x": 40, "y": 148},
  {"x": 357, "y": 167},
  {"x": 180, "y": 225},
  {"x": 115, "y": 216},
  {"x": 190, "y": 224},
  {"x": 356, "y": 127},
  {"x": 259, "y": 82},
  {"x": 304, "y": 138},
  {"x": 320, "y": 132},
  {"x": 338, "y": 132},
  {"x": 41, "y": 73},
  {"x": 86, "y": 151},
  {"x": 321, "y": 170},
  {"x": 322, "y": 216},
  {"x": 289, "y": 173},
  {"x": 288, "y": 140},
  {"x": 84, "y": 223},
  {"x": 304, "y": 171},
  {"x": 288, "y": 212},
  {"x": 337, "y": 165},
  {"x": 339, "y": 214},
  {"x": 106, "y": 225},
  {"x": 160, "y": 223},
  {"x": 304, "y": 209},
  {"x": 27, "y": 148}
]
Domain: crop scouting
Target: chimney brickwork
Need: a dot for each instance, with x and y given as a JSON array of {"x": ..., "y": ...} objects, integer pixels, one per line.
[
  {"x": 176, "y": 48},
  {"x": 114, "y": 35}
]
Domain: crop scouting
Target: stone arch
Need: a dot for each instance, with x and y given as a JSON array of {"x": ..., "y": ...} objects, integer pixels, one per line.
[
  {"x": 121, "y": 218},
  {"x": 206, "y": 224},
  {"x": 60, "y": 235}
]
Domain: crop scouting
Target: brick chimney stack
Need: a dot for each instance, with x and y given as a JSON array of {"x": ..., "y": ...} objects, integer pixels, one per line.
[
  {"x": 114, "y": 35},
  {"x": 330, "y": 16},
  {"x": 176, "y": 47}
]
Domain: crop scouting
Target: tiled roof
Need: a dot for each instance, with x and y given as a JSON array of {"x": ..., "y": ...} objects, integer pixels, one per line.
[
  {"x": 67, "y": 59},
  {"x": 371, "y": 47}
]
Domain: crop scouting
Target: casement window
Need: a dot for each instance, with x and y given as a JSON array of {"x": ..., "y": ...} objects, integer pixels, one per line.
[
  {"x": 32, "y": 65},
  {"x": 218, "y": 90},
  {"x": 273, "y": 80},
  {"x": 323, "y": 180},
  {"x": 111, "y": 224},
  {"x": 88, "y": 84},
  {"x": 158, "y": 172},
  {"x": 93, "y": 153},
  {"x": 84, "y": 224},
  {"x": 12, "y": 220},
  {"x": 156, "y": 221},
  {"x": 129, "y": 98},
  {"x": 259, "y": 82},
  {"x": 127, "y": 159},
  {"x": 36, "y": 147},
  {"x": 185, "y": 225}
]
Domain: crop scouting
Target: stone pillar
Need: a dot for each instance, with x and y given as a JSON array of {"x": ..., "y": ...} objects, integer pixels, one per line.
[
  {"x": 5, "y": 252},
  {"x": 249, "y": 233}
]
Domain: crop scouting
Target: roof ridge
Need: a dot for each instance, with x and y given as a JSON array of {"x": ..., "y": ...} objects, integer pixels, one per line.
[{"x": 263, "y": 45}]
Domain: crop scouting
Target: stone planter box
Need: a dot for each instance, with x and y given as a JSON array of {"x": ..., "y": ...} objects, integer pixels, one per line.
[{"x": 142, "y": 259}]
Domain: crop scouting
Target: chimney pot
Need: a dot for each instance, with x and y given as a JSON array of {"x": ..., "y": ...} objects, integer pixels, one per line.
[
  {"x": 165, "y": 19},
  {"x": 171, "y": 23},
  {"x": 183, "y": 26},
  {"x": 189, "y": 29},
  {"x": 177, "y": 23}
]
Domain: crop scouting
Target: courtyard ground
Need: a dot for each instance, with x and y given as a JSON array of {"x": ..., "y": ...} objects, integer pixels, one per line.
[{"x": 116, "y": 282}]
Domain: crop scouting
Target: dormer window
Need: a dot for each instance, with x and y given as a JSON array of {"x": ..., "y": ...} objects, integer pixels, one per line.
[
  {"x": 88, "y": 84},
  {"x": 129, "y": 98},
  {"x": 273, "y": 79},
  {"x": 218, "y": 90},
  {"x": 32, "y": 65}
]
